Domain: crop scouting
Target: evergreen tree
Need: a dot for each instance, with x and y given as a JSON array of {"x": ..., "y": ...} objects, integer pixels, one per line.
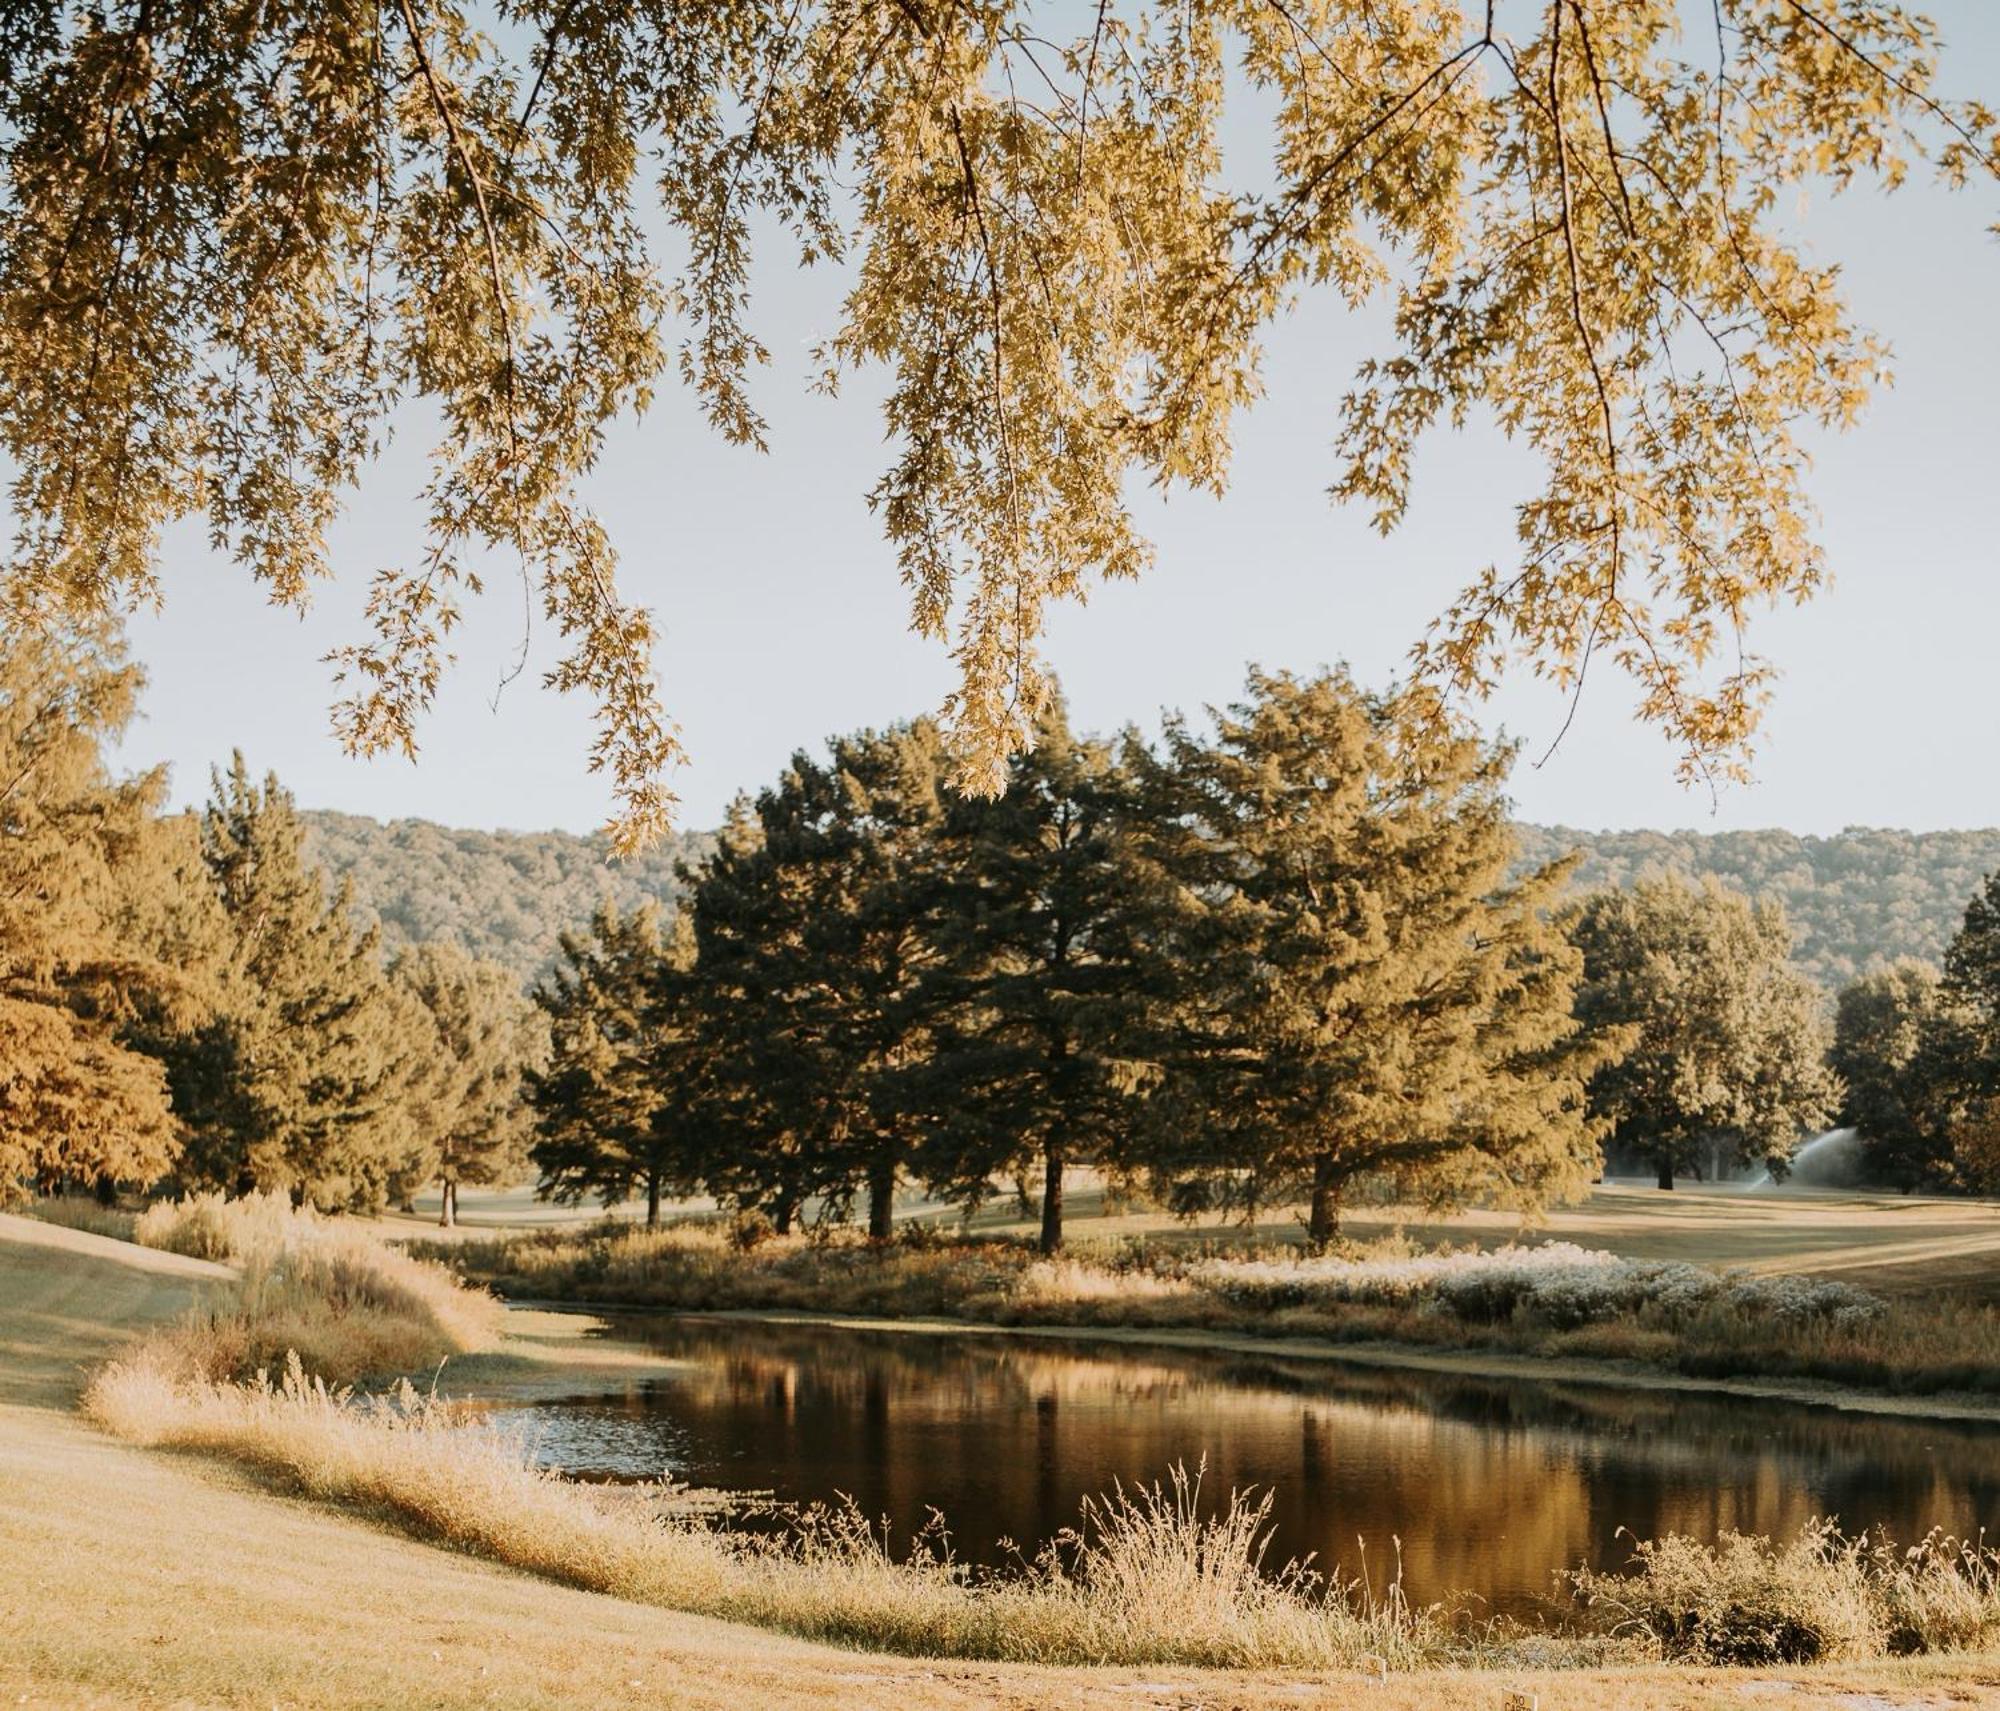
[
  {"x": 609, "y": 1115},
  {"x": 768, "y": 1147},
  {"x": 811, "y": 957},
  {"x": 302, "y": 1081},
  {"x": 1040, "y": 998},
  {"x": 1885, "y": 1036},
  {"x": 1363, "y": 992},
  {"x": 467, "y": 1106},
  {"x": 1731, "y": 1040},
  {"x": 92, "y": 938},
  {"x": 1957, "y": 1070}
]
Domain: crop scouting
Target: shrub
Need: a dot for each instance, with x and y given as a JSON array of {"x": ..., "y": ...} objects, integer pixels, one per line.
[
  {"x": 1822, "y": 1597},
  {"x": 211, "y": 1225},
  {"x": 82, "y": 1212}
]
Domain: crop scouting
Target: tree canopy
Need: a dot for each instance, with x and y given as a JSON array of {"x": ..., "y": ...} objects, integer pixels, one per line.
[
  {"x": 1364, "y": 992},
  {"x": 1729, "y": 1042},
  {"x": 608, "y": 1118},
  {"x": 1045, "y": 983},
  {"x": 1886, "y": 1039},
  {"x": 466, "y": 1108},
  {"x": 241, "y": 239},
  {"x": 91, "y": 939},
  {"x": 299, "y": 1083}
]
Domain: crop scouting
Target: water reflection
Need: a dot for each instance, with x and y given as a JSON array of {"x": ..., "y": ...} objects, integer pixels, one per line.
[{"x": 1490, "y": 1486}]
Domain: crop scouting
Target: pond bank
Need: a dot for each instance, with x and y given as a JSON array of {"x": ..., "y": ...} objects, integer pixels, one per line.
[{"x": 1471, "y": 1363}]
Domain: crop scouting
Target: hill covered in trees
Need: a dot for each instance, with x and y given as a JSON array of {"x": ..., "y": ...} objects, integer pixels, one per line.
[
  {"x": 1857, "y": 900},
  {"x": 504, "y": 896}
]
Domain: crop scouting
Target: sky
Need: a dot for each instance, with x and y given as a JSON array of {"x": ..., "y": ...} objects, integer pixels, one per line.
[{"x": 783, "y": 618}]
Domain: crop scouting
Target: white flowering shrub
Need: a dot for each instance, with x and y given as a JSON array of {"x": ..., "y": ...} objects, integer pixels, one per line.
[{"x": 1556, "y": 1283}]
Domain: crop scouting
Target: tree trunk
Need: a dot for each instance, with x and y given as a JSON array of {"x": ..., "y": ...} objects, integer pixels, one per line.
[
  {"x": 1323, "y": 1223},
  {"x": 448, "y": 1206},
  {"x": 1666, "y": 1170},
  {"x": 652, "y": 1199},
  {"x": 881, "y": 1201},
  {"x": 783, "y": 1210},
  {"x": 1052, "y": 1201}
]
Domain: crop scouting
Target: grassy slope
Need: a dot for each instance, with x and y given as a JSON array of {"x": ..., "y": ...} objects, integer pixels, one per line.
[{"x": 131, "y": 1579}]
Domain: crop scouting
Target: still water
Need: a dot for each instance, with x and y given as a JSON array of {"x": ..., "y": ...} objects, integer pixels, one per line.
[{"x": 1491, "y": 1487}]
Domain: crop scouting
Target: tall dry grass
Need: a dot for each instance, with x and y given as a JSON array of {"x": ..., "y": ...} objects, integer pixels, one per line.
[
  {"x": 349, "y": 1305},
  {"x": 1146, "y": 1577},
  {"x": 1549, "y": 1299},
  {"x": 80, "y": 1212},
  {"x": 215, "y": 1226},
  {"x": 1819, "y": 1597}
]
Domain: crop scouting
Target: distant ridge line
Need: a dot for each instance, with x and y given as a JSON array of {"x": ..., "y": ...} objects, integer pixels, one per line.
[{"x": 1857, "y": 898}]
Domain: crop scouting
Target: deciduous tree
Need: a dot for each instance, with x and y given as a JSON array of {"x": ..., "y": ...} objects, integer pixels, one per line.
[
  {"x": 92, "y": 937},
  {"x": 238, "y": 238},
  {"x": 1731, "y": 1041},
  {"x": 1883, "y": 1024}
]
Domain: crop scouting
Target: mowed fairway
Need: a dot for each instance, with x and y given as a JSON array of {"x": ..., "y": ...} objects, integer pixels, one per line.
[{"x": 136, "y": 1579}]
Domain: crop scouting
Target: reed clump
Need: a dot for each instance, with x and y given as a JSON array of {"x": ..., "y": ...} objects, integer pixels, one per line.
[
  {"x": 1819, "y": 1597},
  {"x": 349, "y": 1305}
]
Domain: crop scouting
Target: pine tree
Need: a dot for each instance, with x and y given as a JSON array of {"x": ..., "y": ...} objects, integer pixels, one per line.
[
  {"x": 1039, "y": 998},
  {"x": 1731, "y": 1040},
  {"x": 92, "y": 936},
  {"x": 811, "y": 958},
  {"x": 466, "y": 1102},
  {"x": 1363, "y": 992},
  {"x": 768, "y": 1150},
  {"x": 300, "y": 1083},
  {"x": 608, "y": 1110}
]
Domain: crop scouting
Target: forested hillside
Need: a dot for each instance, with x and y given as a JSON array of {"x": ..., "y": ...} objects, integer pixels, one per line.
[
  {"x": 1856, "y": 900},
  {"x": 505, "y": 896}
]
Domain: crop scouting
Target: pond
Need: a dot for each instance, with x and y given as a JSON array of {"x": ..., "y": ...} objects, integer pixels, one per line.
[{"x": 1491, "y": 1487}]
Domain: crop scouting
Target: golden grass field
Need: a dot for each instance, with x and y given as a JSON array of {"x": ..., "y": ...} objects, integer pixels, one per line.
[{"x": 135, "y": 1578}]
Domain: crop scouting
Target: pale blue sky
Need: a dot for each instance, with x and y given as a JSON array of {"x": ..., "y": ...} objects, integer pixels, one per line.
[{"x": 784, "y": 619}]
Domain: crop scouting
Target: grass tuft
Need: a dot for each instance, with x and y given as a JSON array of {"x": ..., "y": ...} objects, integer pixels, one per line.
[
  {"x": 1819, "y": 1598},
  {"x": 349, "y": 1305}
]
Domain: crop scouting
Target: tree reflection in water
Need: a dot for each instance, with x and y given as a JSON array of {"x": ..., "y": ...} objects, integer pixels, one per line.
[{"x": 1492, "y": 1487}]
